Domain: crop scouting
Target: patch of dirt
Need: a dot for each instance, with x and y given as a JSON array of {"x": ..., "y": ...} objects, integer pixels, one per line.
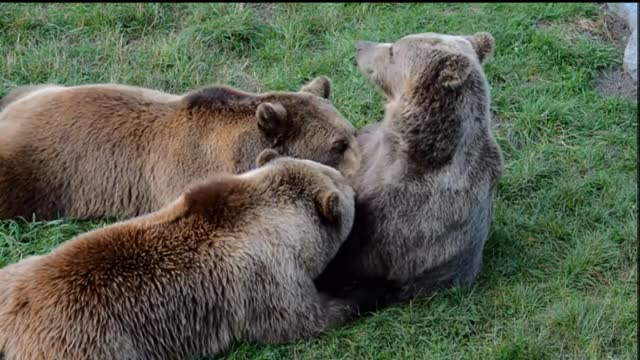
[
  {"x": 616, "y": 29},
  {"x": 496, "y": 121},
  {"x": 611, "y": 29},
  {"x": 246, "y": 81},
  {"x": 249, "y": 83},
  {"x": 264, "y": 10},
  {"x": 598, "y": 29},
  {"x": 617, "y": 83},
  {"x": 542, "y": 24},
  {"x": 605, "y": 28},
  {"x": 494, "y": 116}
]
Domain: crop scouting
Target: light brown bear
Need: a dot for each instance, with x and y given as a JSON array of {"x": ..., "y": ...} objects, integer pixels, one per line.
[
  {"x": 97, "y": 151},
  {"x": 232, "y": 259},
  {"x": 429, "y": 171}
]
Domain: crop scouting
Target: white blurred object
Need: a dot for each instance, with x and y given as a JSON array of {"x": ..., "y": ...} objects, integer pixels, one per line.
[{"x": 629, "y": 12}]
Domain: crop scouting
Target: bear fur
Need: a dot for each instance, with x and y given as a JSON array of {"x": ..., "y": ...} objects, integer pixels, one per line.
[
  {"x": 429, "y": 170},
  {"x": 232, "y": 259},
  {"x": 97, "y": 151}
]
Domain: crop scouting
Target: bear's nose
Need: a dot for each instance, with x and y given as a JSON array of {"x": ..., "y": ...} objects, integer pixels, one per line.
[{"x": 361, "y": 45}]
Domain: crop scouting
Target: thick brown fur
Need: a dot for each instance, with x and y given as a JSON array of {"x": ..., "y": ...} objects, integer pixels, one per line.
[
  {"x": 231, "y": 259},
  {"x": 110, "y": 150},
  {"x": 430, "y": 168}
]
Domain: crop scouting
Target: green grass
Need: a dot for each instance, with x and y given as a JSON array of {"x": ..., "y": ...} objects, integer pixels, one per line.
[{"x": 559, "y": 279}]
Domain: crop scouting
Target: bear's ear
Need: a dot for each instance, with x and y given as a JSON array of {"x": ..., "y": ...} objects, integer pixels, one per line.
[
  {"x": 328, "y": 204},
  {"x": 320, "y": 86},
  {"x": 454, "y": 70},
  {"x": 484, "y": 44},
  {"x": 213, "y": 193},
  {"x": 266, "y": 156},
  {"x": 271, "y": 118}
]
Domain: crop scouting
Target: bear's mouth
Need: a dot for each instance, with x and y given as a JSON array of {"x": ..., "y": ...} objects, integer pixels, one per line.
[
  {"x": 382, "y": 84},
  {"x": 373, "y": 76}
]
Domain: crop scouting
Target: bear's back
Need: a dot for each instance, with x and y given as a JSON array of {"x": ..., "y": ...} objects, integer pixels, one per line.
[{"x": 80, "y": 130}]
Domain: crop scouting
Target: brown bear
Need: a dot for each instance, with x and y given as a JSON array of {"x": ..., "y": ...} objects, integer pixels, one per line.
[
  {"x": 232, "y": 259},
  {"x": 429, "y": 170},
  {"x": 109, "y": 150}
]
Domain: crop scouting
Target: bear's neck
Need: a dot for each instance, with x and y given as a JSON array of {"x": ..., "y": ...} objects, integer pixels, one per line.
[
  {"x": 230, "y": 138},
  {"x": 431, "y": 123},
  {"x": 247, "y": 143}
]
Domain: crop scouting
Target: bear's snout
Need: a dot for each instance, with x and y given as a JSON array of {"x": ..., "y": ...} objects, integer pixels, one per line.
[{"x": 361, "y": 45}]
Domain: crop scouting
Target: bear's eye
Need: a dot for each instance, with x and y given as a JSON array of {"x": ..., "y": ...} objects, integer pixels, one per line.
[
  {"x": 278, "y": 143},
  {"x": 340, "y": 146}
]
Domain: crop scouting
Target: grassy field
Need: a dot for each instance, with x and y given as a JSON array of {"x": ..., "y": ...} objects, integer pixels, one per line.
[{"x": 559, "y": 279}]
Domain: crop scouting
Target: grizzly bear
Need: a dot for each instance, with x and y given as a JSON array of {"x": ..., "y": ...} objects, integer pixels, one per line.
[
  {"x": 95, "y": 151},
  {"x": 232, "y": 259},
  {"x": 429, "y": 170}
]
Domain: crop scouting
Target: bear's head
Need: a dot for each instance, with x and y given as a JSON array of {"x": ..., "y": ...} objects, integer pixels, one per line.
[
  {"x": 311, "y": 204},
  {"x": 329, "y": 191},
  {"x": 302, "y": 124},
  {"x": 305, "y": 124},
  {"x": 323, "y": 198},
  {"x": 423, "y": 60}
]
